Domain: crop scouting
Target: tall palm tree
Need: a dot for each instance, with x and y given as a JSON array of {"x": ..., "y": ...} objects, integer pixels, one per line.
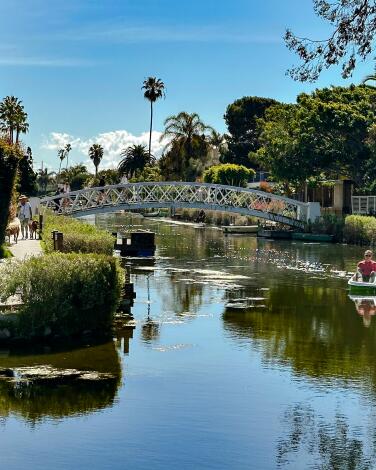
[
  {"x": 96, "y": 155},
  {"x": 61, "y": 155},
  {"x": 13, "y": 118},
  {"x": 216, "y": 141},
  {"x": 67, "y": 149},
  {"x": 135, "y": 158},
  {"x": 154, "y": 89}
]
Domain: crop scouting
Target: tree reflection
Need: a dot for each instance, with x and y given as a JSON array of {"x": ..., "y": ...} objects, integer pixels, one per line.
[
  {"x": 313, "y": 329},
  {"x": 34, "y": 401},
  {"x": 331, "y": 444}
]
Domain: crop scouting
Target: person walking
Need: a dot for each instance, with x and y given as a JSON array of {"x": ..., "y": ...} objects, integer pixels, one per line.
[{"x": 25, "y": 214}]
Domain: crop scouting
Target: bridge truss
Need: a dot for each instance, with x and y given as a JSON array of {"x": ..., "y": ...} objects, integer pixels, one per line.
[{"x": 133, "y": 196}]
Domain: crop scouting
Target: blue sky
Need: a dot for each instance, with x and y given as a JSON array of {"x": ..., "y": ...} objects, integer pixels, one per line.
[{"x": 78, "y": 65}]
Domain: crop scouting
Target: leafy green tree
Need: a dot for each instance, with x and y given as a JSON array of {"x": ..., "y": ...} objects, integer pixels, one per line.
[
  {"x": 228, "y": 174},
  {"x": 241, "y": 120},
  {"x": 27, "y": 178},
  {"x": 352, "y": 37},
  {"x": 9, "y": 158},
  {"x": 96, "y": 155},
  {"x": 154, "y": 90},
  {"x": 134, "y": 160},
  {"x": 13, "y": 118},
  {"x": 324, "y": 135},
  {"x": 77, "y": 176},
  {"x": 149, "y": 174},
  {"x": 370, "y": 78},
  {"x": 187, "y": 151}
]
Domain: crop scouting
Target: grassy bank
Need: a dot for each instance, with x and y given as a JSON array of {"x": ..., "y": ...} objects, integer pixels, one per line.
[
  {"x": 61, "y": 294},
  {"x": 216, "y": 218},
  {"x": 360, "y": 230},
  {"x": 79, "y": 237}
]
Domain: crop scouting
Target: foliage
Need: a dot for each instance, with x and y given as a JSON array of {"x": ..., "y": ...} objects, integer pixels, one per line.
[
  {"x": 13, "y": 118},
  {"x": 9, "y": 159},
  {"x": 27, "y": 178},
  {"x": 229, "y": 174},
  {"x": 154, "y": 90},
  {"x": 134, "y": 160},
  {"x": 110, "y": 176},
  {"x": 360, "y": 229},
  {"x": 325, "y": 134},
  {"x": 149, "y": 173},
  {"x": 79, "y": 237},
  {"x": 329, "y": 224},
  {"x": 353, "y": 35},
  {"x": 187, "y": 151},
  {"x": 66, "y": 293},
  {"x": 241, "y": 120},
  {"x": 5, "y": 252},
  {"x": 96, "y": 155},
  {"x": 44, "y": 178},
  {"x": 76, "y": 175}
]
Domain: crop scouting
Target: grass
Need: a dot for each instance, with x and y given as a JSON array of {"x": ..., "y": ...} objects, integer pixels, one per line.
[{"x": 5, "y": 252}]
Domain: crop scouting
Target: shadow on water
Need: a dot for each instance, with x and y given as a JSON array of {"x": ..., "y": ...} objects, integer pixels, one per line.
[{"x": 46, "y": 398}]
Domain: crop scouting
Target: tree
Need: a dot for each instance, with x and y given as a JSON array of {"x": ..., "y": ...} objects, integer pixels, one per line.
[
  {"x": 150, "y": 173},
  {"x": 44, "y": 178},
  {"x": 154, "y": 89},
  {"x": 187, "y": 151},
  {"x": 61, "y": 155},
  {"x": 27, "y": 178},
  {"x": 77, "y": 176},
  {"x": 369, "y": 78},
  {"x": 9, "y": 158},
  {"x": 96, "y": 155},
  {"x": 228, "y": 174},
  {"x": 241, "y": 120},
  {"x": 67, "y": 149},
  {"x": 134, "y": 160},
  {"x": 323, "y": 136},
  {"x": 13, "y": 118},
  {"x": 352, "y": 37}
]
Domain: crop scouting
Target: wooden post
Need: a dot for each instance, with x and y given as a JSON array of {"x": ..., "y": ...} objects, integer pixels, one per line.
[
  {"x": 53, "y": 234},
  {"x": 59, "y": 241},
  {"x": 40, "y": 226}
]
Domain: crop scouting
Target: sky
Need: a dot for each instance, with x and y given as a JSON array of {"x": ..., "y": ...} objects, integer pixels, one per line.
[{"x": 78, "y": 65}]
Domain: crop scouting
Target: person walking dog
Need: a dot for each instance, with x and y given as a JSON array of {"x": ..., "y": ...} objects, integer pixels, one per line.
[{"x": 25, "y": 214}]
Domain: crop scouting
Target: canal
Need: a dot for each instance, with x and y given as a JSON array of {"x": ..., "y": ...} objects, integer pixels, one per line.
[{"x": 246, "y": 353}]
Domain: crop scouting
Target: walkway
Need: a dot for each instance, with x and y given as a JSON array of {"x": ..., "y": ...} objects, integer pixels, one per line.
[{"x": 25, "y": 248}]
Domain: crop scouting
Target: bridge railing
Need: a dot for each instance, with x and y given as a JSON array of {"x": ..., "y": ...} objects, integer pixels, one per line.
[{"x": 180, "y": 194}]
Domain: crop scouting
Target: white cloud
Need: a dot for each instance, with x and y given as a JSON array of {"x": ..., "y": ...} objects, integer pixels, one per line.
[{"x": 112, "y": 142}]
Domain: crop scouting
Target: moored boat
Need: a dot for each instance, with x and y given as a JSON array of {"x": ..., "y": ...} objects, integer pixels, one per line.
[{"x": 240, "y": 229}]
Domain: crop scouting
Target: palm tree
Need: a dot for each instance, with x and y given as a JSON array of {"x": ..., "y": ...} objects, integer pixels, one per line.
[
  {"x": 369, "y": 78},
  {"x": 67, "y": 149},
  {"x": 61, "y": 155},
  {"x": 96, "y": 155},
  {"x": 45, "y": 177},
  {"x": 13, "y": 118},
  {"x": 216, "y": 141},
  {"x": 135, "y": 158},
  {"x": 154, "y": 89}
]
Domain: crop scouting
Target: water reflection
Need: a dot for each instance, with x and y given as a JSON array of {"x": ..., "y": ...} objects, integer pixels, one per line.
[
  {"x": 366, "y": 308},
  {"x": 325, "y": 442},
  {"x": 36, "y": 400}
]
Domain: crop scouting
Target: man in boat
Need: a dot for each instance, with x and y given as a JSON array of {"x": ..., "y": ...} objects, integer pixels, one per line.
[{"x": 367, "y": 268}]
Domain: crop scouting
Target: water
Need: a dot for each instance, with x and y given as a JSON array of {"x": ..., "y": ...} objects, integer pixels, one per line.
[{"x": 246, "y": 354}]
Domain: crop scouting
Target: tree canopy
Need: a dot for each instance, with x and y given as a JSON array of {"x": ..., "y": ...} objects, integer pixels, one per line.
[
  {"x": 228, "y": 174},
  {"x": 241, "y": 119},
  {"x": 352, "y": 37}
]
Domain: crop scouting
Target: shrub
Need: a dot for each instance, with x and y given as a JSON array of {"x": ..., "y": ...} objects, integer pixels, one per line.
[
  {"x": 228, "y": 174},
  {"x": 67, "y": 294},
  {"x": 79, "y": 237},
  {"x": 360, "y": 229},
  {"x": 329, "y": 224}
]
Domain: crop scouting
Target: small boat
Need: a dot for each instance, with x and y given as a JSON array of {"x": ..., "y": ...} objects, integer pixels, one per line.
[
  {"x": 151, "y": 214},
  {"x": 360, "y": 286},
  {"x": 240, "y": 229}
]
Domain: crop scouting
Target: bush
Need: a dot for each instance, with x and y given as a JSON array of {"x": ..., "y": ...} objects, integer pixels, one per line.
[
  {"x": 329, "y": 224},
  {"x": 66, "y": 294},
  {"x": 79, "y": 237},
  {"x": 228, "y": 174},
  {"x": 360, "y": 229}
]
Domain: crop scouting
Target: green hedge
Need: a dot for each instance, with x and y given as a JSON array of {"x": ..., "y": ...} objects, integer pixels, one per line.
[
  {"x": 79, "y": 237},
  {"x": 63, "y": 294},
  {"x": 360, "y": 229}
]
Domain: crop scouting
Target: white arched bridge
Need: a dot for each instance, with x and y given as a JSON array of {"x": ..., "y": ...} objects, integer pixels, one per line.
[{"x": 133, "y": 196}]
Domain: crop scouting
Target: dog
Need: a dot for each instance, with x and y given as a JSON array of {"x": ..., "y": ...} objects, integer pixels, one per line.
[
  {"x": 14, "y": 229},
  {"x": 33, "y": 228}
]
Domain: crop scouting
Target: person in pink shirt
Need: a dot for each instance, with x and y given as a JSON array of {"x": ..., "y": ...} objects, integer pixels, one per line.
[{"x": 367, "y": 268}]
